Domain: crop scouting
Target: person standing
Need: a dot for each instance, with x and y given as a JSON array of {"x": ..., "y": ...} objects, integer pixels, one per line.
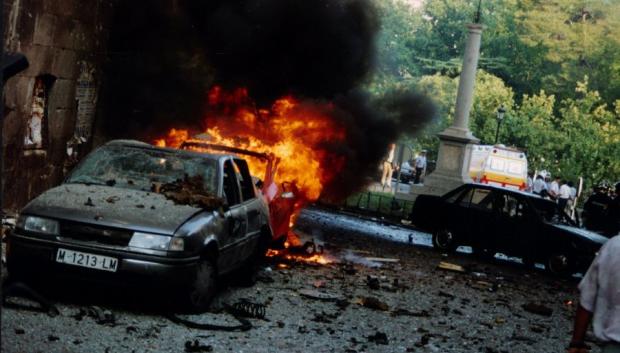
[
  {"x": 540, "y": 187},
  {"x": 420, "y": 166},
  {"x": 386, "y": 177},
  {"x": 599, "y": 301},
  {"x": 564, "y": 195},
  {"x": 595, "y": 209},
  {"x": 529, "y": 185},
  {"x": 554, "y": 188},
  {"x": 613, "y": 214}
]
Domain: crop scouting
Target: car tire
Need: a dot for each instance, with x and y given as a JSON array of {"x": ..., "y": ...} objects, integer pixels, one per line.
[
  {"x": 444, "y": 240},
  {"x": 559, "y": 264},
  {"x": 203, "y": 286},
  {"x": 247, "y": 274}
]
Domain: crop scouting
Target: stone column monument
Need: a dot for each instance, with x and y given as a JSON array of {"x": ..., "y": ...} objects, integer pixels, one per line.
[{"x": 456, "y": 141}]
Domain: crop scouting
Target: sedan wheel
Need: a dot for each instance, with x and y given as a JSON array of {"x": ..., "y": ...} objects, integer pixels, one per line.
[
  {"x": 202, "y": 289},
  {"x": 444, "y": 240},
  {"x": 559, "y": 264}
]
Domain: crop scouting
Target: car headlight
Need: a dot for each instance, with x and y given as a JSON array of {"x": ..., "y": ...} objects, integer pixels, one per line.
[
  {"x": 38, "y": 225},
  {"x": 156, "y": 242}
]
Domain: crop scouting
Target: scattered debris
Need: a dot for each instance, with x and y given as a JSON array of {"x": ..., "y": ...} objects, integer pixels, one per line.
[
  {"x": 451, "y": 267},
  {"x": 189, "y": 191},
  {"x": 538, "y": 309},
  {"x": 382, "y": 259},
  {"x": 373, "y": 282},
  {"x": 314, "y": 294},
  {"x": 89, "y": 202},
  {"x": 112, "y": 199},
  {"x": 372, "y": 303},
  {"x": 379, "y": 338},
  {"x": 20, "y": 331},
  {"x": 197, "y": 347},
  {"x": 52, "y": 338},
  {"x": 245, "y": 308},
  {"x": 405, "y": 312}
]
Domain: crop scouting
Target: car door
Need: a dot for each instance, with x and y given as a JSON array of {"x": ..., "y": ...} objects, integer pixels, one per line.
[
  {"x": 514, "y": 228},
  {"x": 455, "y": 213},
  {"x": 252, "y": 207},
  {"x": 236, "y": 218},
  {"x": 481, "y": 221}
]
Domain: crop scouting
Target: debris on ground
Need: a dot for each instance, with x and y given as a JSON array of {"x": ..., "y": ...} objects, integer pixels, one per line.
[
  {"x": 537, "y": 309},
  {"x": 379, "y": 338},
  {"x": 451, "y": 267},
  {"x": 189, "y": 191},
  {"x": 197, "y": 347},
  {"x": 372, "y": 303},
  {"x": 315, "y": 294}
]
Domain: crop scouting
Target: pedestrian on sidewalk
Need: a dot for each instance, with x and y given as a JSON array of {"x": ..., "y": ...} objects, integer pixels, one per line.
[
  {"x": 564, "y": 196},
  {"x": 420, "y": 166},
  {"x": 386, "y": 176},
  {"x": 599, "y": 301}
]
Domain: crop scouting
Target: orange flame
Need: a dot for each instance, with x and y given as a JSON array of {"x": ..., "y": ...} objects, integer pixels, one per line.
[{"x": 294, "y": 132}]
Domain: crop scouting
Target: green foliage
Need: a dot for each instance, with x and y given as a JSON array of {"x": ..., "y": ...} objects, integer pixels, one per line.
[{"x": 553, "y": 64}]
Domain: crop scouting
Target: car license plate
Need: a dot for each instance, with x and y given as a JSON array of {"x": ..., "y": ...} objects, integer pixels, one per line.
[{"x": 78, "y": 258}]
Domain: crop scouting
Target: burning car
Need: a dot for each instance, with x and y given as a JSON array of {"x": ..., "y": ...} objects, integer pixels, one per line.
[
  {"x": 133, "y": 211},
  {"x": 495, "y": 219},
  {"x": 280, "y": 198}
]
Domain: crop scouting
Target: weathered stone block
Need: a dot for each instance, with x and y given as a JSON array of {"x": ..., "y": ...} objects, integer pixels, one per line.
[
  {"x": 40, "y": 58},
  {"x": 60, "y": 122},
  {"x": 44, "y": 29},
  {"x": 65, "y": 64},
  {"x": 62, "y": 94}
]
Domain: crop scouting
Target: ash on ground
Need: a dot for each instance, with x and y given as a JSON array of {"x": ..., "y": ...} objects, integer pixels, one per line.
[{"x": 377, "y": 295}]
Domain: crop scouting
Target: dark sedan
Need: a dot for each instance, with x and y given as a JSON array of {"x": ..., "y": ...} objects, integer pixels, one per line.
[
  {"x": 131, "y": 212},
  {"x": 493, "y": 219}
]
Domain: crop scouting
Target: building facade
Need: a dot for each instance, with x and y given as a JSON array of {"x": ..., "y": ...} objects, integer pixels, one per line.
[{"x": 51, "y": 107}]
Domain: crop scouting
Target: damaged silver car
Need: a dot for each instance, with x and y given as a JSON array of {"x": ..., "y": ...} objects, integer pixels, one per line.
[{"x": 132, "y": 211}]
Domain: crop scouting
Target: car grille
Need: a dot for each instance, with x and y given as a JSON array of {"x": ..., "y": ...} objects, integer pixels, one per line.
[{"x": 91, "y": 233}]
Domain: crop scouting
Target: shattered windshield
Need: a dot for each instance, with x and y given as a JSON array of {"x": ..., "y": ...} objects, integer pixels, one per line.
[{"x": 143, "y": 169}]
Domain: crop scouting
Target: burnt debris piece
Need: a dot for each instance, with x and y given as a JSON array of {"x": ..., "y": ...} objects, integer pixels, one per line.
[{"x": 189, "y": 191}]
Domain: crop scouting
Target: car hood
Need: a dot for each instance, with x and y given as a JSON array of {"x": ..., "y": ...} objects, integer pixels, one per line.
[
  {"x": 111, "y": 206},
  {"x": 594, "y": 237}
]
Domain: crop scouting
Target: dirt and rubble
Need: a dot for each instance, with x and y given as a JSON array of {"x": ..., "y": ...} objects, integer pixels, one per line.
[{"x": 376, "y": 296}]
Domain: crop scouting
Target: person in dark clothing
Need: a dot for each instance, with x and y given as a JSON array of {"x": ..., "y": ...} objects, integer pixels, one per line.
[
  {"x": 613, "y": 214},
  {"x": 595, "y": 209}
]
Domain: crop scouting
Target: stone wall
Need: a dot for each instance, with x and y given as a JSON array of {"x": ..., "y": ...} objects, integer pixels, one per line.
[{"x": 50, "y": 108}]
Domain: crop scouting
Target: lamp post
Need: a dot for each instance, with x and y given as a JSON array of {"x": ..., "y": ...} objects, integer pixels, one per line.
[{"x": 500, "y": 116}]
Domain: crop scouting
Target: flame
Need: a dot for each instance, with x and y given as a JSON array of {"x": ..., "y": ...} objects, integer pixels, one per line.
[
  {"x": 295, "y": 133},
  {"x": 321, "y": 259}
]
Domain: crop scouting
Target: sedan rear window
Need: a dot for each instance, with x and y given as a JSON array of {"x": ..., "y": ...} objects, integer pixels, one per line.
[{"x": 140, "y": 168}]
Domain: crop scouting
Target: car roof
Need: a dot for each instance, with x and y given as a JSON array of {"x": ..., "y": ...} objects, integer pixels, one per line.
[
  {"x": 141, "y": 144},
  {"x": 493, "y": 187}
]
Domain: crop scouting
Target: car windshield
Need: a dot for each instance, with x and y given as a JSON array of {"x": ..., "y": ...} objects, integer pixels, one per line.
[{"x": 140, "y": 168}]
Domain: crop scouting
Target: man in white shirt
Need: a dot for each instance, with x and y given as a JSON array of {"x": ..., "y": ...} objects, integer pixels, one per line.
[
  {"x": 386, "y": 177},
  {"x": 420, "y": 166},
  {"x": 554, "y": 188},
  {"x": 540, "y": 187},
  {"x": 564, "y": 194},
  {"x": 600, "y": 301}
]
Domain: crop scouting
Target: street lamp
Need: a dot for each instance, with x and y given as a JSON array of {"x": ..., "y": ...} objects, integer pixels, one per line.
[{"x": 500, "y": 116}]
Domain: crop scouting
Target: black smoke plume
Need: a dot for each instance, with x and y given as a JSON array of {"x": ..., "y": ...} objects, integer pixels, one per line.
[{"x": 166, "y": 55}]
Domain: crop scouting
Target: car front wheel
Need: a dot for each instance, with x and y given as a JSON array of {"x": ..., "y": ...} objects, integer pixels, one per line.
[
  {"x": 444, "y": 240},
  {"x": 559, "y": 264},
  {"x": 203, "y": 286}
]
